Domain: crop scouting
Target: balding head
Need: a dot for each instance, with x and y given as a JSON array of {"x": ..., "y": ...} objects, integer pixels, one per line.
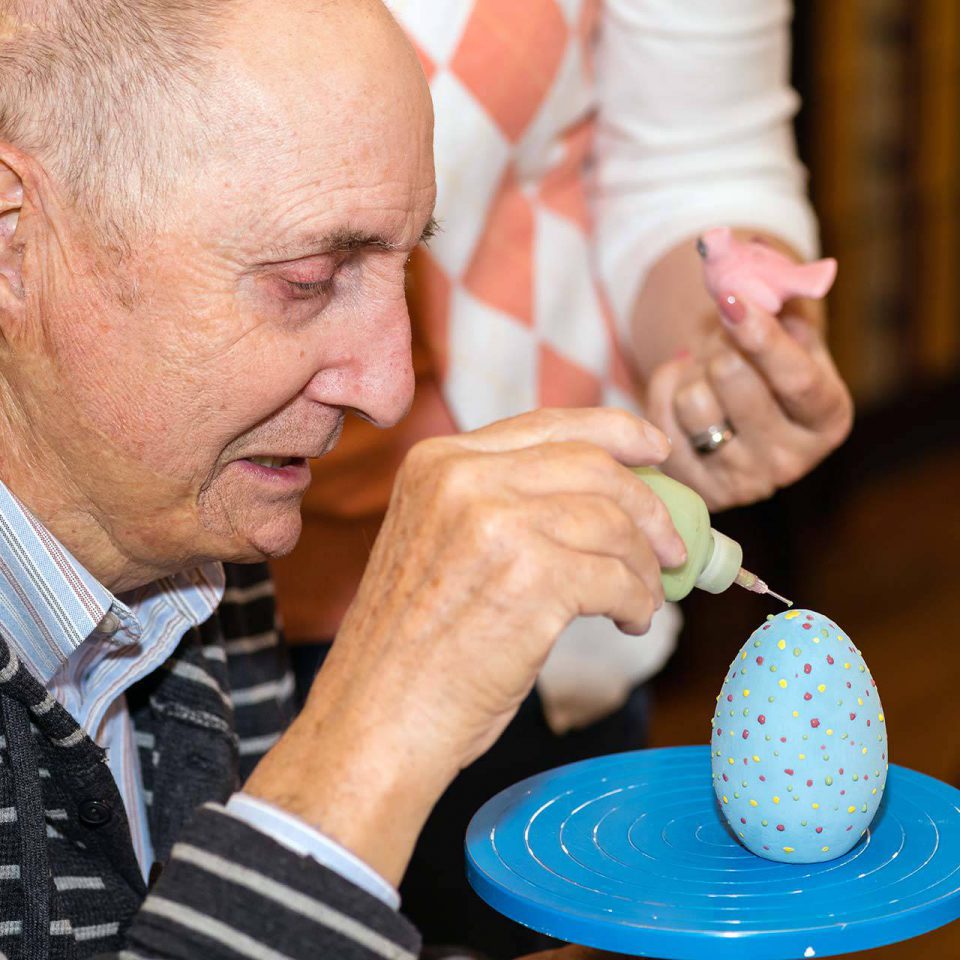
[
  {"x": 157, "y": 408},
  {"x": 105, "y": 92}
]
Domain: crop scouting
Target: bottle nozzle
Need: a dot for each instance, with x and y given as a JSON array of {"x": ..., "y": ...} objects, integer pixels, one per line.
[{"x": 750, "y": 581}]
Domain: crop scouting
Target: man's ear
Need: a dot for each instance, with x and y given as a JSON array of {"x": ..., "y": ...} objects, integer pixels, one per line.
[{"x": 11, "y": 256}]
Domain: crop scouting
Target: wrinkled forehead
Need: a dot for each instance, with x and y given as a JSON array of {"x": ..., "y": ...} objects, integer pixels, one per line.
[{"x": 328, "y": 107}]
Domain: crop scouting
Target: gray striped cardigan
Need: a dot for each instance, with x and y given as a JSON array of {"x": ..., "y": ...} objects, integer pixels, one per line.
[{"x": 70, "y": 885}]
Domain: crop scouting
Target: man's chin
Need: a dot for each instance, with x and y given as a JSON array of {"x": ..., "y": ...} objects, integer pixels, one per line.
[{"x": 275, "y": 538}]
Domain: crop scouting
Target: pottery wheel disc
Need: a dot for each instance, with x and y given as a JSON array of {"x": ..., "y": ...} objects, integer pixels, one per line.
[{"x": 629, "y": 853}]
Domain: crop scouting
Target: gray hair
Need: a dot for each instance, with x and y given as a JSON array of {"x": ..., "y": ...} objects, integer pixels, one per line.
[{"x": 99, "y": 91}]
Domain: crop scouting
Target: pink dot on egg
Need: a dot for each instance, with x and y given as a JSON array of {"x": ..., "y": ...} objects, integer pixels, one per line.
[
  {"x": 868, "y": 723},
  {"x": 849, "y": 685},
  {"x": 843, "y": 793},
  {"x": 788, "y": 772},
  {"x": 807, "y": 668},
  {"x": 841, "y": 771},
  {"x": 743, "y": 819},
  {"x": 729, "y": 698},
  {"x": 809, "y": 783},
  {"x": 781, "y": 827},
  {"x": 765, "y": 847},
  {"x": 746, "y": 734},
  {"x": 814, "y": 723},
  {"x": 725, "y": 778},
  {"x": 853, "y": 716},
  {"x": 809, "y": 617},
  {"x": 761, "y": 719},
  {"x": 763, "y": 778},
  {"x": 849, "y": 828},
  {"x": 808, "y": 696},
  {"x": 760, "y": 661},
  {"x": 783, "y": 739},
  {"x": 819, "y": 829},
  {"x": 807, "y": 626},
  {"x": 830, "y": 660}
]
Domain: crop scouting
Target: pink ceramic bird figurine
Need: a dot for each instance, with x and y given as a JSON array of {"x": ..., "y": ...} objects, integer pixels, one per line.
[{"x": 756, "y": 272}]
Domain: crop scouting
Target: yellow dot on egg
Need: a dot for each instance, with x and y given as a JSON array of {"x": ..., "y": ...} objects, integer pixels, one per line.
[
  {"x": 730, "y": 761},
  {"x": 829, "y": 732},
  {"x": 880, "y": 717},
  {"x": 803, "y": 756},
  {"x": 816, "y": 639},
  {"x": 741, "y": 834},
  {"x": 874, "y": 791},
  {"x": 821, "y": 688},
  {"x": 756, "y": 759},
  {"x": 860, "y": 701},
  {"x": 846, "y": 666},
  {"x": 864, "y": 751},
  {"x": 816, "y": 806},
  {"x": 753, "y": 803},
  {"x": 746, "y": 693},
  {"x": 851, "y": 809},
  {"x": 825, "y": 849},
  {"x": 743, "y": 656},
  {"x": 725, "y": 798},
  {"x": 788, "y": 849},
  {"x": 792, "y": 615},
  {"x": 782, "y": 644},
  {"x": 776, "y": 799},
  {"x": 783, "y": 684}
]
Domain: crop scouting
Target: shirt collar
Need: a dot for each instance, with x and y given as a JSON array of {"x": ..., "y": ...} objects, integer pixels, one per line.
[{"x": 50, "y": 604}]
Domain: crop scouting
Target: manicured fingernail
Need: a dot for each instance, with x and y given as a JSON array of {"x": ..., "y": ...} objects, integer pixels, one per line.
[{"x": 732, "y": 310}]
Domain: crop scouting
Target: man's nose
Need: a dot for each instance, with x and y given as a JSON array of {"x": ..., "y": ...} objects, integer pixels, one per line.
[{"x": 373, "y": 374}]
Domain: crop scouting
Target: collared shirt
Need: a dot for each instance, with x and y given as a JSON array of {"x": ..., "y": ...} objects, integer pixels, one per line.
[{"x": 88, "y": 647}]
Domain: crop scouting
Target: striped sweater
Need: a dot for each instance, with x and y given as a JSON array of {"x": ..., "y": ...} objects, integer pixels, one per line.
[{"x": 70, "y": 884}]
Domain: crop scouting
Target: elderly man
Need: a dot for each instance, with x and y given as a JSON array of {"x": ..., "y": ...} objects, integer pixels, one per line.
[{"x": 205, "y": 213}]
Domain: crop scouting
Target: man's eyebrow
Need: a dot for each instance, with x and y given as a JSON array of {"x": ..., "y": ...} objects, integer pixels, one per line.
[{"x": 343, "y": 240}]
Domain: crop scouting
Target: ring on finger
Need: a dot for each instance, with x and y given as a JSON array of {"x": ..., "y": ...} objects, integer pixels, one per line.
[{"x": 713, "y": 438}]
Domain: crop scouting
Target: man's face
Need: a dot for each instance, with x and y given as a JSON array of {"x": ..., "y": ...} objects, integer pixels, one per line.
[{"x": 270, "y": 303}]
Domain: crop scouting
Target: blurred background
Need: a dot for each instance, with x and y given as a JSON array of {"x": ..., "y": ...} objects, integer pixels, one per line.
[{"x": 872, "y": 538}]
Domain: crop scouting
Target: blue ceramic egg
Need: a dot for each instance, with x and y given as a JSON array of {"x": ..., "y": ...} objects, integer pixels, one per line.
[{"x": 799, "y": 741}]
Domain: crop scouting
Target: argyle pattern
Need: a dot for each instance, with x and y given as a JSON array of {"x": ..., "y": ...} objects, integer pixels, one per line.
[{"x": 514, "y": 316}]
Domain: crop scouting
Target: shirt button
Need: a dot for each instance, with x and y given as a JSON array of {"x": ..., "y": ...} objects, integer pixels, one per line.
[
  {"x": 94, "y": 813},
  {"x": 109, "y": 625}
]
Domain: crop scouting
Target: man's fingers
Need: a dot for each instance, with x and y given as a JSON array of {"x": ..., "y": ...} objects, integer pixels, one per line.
[
  {"x": 802, "y": 378},
  {"x": 606, "y": 587},
  {"x": 625, "y": 436},
  {"x": 596, "y": 525},
  {"x": 582, "y": 469}
]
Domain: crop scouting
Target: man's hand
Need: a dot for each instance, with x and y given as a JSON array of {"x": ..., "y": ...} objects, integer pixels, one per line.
[
  {"x": 494, "y": 541},
  {"x": 774, "y": 381}
]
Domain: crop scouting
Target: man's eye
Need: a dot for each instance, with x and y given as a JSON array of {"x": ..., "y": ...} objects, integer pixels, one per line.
[{"x": 308, "y": 291}]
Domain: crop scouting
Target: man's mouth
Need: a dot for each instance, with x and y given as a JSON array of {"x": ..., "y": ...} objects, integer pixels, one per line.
[{"x": 276, "y": 463}]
